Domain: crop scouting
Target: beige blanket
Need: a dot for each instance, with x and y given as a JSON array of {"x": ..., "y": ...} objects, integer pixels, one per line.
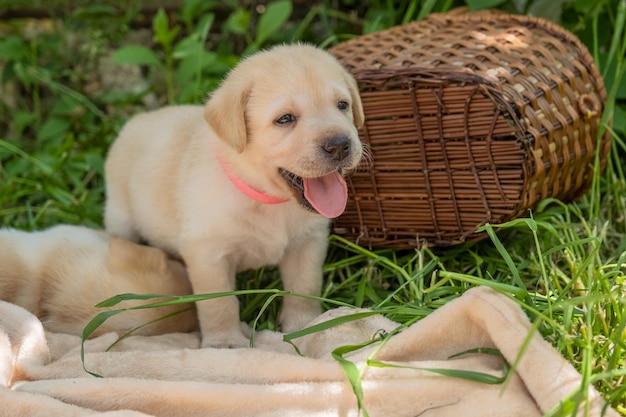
[{"x": 41, "y": 374}]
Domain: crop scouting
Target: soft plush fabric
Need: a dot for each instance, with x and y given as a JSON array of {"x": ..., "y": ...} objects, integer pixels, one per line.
[{"x": 41, "y": 373}]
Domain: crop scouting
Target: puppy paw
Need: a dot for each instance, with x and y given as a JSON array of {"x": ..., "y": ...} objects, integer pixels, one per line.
[
  {"x": 297, "y": 313},
  {"x": 230, "y": 340},
  {"x": 297, "y": 320}
]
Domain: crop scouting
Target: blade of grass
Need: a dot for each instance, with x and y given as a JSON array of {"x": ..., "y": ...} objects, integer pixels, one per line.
[
  {"x": 452, "y": 373},
  {"x": 91, "y": 327},
  {"x": 352, "y": 372},
  {"x": 45, "y": 168}
]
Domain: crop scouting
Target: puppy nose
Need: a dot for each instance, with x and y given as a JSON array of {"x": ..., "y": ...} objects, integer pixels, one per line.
[{"x": 337, "y": 147}]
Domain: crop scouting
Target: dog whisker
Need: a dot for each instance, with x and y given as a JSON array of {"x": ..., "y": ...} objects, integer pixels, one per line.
[{"x": 367, "y": 160}]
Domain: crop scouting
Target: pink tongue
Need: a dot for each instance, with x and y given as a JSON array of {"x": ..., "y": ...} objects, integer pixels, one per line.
[{"x": 328, "y": 194}]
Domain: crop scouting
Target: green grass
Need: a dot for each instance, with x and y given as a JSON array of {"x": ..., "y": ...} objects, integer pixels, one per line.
[{"x": 565, "y": 264}]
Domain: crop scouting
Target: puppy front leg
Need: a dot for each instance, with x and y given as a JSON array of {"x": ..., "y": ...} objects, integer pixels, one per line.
[
  {"x": 301, "y": 272},
  {"x": 218, "y": 317}
]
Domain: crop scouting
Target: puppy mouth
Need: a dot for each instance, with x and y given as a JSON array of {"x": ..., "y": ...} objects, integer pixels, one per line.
[{"x": 326, "y": 195}]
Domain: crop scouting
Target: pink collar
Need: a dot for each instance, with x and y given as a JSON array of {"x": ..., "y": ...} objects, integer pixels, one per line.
[{"x": 257, "y": 195}]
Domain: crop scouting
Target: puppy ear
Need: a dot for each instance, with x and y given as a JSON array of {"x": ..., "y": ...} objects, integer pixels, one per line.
[
  {"x": 226, "y": 113},
  {"x": 357, "y": 105}
]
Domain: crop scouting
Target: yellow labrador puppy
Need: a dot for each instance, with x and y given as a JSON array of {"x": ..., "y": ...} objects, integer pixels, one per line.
[
  {"x": 59, "y": 275},
  {"x": 250, "y": 179}
]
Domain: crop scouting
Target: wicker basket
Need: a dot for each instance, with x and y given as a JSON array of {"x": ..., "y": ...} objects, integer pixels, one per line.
[{"x": 471, "y": 118}]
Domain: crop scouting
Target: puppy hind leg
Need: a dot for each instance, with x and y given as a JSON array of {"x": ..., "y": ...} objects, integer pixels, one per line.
[{"x": 117, "y": 222}]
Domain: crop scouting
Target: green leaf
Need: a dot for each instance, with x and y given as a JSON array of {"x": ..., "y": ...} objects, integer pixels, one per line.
[
  {"x": 135, "y": 55},
  {"x": 520, "y": 293},
  {"x": 483, "y": 4},
  {"x": 53, "y": 128},
  {"x": 192, "y": 68},
  {"x": 619, "y": 119},
  {"x": 337, "y": 321},
  {"x": 95, "y": 11},
  {"x": 8, "y": 73},
  {"x": 110, "y": 302},
  {"x": 583, "y": 6},
  {"x": 190, "y": 45},
  {"x": 97, "y": 321},
  {"x": 45, "y": 168},
  {"x": 425, "y": 9},
  {"x": 91, "y": 327},
  {"x": 276, "y": 14},
  {"x": 238, "y": 22},
  {"x": 505, "y": 255},
  {"x": 520, "y": 5},
  {"x": 141, "y": 326},
  {"x": 548, "y": 9},
  {"x": 163, "y": 35},
  {"x": 193, "y": 44},
  {"x": 252, "y": 48},
  {"x": 452, "y": 373},
  {"x": 204, "y": 26},
  {"x": 61, "y": 195},
  {"x": 12, "y": 49},
  {"x": 95, "y": 161},
  {"x": 610, "y": 75},
  {"x": 377, "y": 20},
  {"x": 195, "y": 9},
  {"x": 352, "y": 372},
  {"x": 22, "y": 119}
]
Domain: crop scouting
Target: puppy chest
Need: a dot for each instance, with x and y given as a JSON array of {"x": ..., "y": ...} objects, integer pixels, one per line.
[
  {"x": 254, "y": 254},
  {"x": 267, "y": 244}
]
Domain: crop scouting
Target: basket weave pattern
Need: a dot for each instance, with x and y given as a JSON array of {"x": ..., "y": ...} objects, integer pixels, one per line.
[{"x": 471, "y": 118}]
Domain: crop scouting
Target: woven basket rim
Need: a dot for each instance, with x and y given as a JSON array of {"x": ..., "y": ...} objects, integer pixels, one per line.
[{"x": 464, "y": 14}]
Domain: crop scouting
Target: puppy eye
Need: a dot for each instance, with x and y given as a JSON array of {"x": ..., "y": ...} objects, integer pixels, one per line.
[
  {"x": 343, "y": 105},
  {"x": 286, "y": 119}
]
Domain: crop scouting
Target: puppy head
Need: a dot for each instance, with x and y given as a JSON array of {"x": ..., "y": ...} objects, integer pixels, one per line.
[
  {"x": 226, "y": 109},
  {"x": 292, "y": 114}
]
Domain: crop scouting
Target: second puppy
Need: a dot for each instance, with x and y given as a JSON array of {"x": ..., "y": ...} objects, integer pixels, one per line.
[{"x": 59, "y": 275}]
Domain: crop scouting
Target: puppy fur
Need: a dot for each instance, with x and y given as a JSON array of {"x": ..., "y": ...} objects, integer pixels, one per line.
[
  {"x": 166, "y": 183},
  {"x": 59, "y": 275}
]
